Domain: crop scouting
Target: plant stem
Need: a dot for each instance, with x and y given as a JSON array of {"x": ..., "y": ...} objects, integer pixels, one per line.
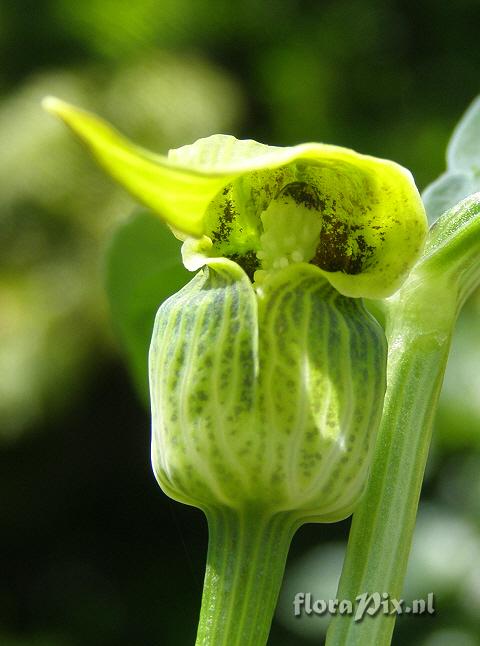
[
  {"x": 420, "y": 323},
  {"x": 382, "y": 527},
  {"x": 245, "y": 564}
]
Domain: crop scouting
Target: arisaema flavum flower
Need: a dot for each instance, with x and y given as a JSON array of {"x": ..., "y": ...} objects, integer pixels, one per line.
[{"x": 267, "y": 373}]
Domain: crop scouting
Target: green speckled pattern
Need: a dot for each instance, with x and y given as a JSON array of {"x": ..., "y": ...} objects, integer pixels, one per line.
[{"x": 270, "y": 398}]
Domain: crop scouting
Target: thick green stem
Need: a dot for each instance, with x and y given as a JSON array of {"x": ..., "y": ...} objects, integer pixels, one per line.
[
  {"x": 245, "y": 564},
  {"x": 382, "y": 528},
  {"x": 420, "y": 323}
]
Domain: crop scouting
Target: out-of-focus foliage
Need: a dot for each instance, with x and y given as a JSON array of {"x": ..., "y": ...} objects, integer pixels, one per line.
[
  {"x": 462, "y": 177},
  {"x": 458, "y": 418},
  {"x": 445, "y": 560},
  {"x": 55, "y": 211},
  {"x": 87, "y": 541},
  {"x": 144, "y": 267}
]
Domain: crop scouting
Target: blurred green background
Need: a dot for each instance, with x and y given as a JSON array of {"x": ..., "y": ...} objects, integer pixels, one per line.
[{"x": 91, "y": 552}]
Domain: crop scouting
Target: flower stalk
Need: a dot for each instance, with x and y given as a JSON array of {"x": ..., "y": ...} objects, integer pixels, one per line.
[{"x": 245, "y": 564}]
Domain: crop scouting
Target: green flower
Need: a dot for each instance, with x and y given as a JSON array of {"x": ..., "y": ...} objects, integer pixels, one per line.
[
  {"x": 358, "y": 218},
  {"x": 267, "y": 373}
]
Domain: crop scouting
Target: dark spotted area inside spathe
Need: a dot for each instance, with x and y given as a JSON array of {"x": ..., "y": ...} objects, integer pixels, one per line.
[
  {"x": 302, "y": 194},
  {"x": 348, "y": 234},
  {"x": 227, "y": 214},
  {"x": 342, "y": 247},
  {"x": 248, "y": 261}
]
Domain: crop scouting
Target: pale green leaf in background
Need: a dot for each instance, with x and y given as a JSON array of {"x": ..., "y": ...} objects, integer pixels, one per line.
[
  {"x": 445, "y": 192},
  {"x": 463, "y": 162},
  {"x": 143, "y": 268},
  {"x": 463, "y": 152}
]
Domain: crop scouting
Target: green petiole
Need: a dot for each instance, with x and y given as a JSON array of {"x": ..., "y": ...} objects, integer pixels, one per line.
[{"x": 420, "y": 321}]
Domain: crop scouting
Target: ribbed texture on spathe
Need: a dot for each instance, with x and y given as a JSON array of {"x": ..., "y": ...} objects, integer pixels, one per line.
[{"x": 272, "y": 399}]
